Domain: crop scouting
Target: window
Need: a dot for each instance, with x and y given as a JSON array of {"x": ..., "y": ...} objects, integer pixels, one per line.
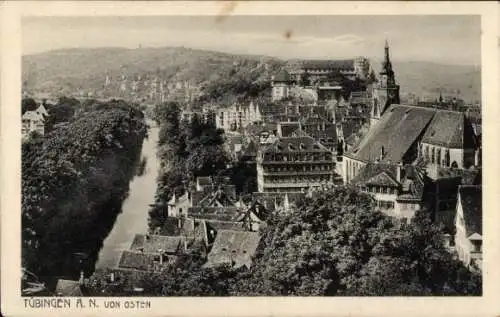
[{"x": 433, "y": 158}]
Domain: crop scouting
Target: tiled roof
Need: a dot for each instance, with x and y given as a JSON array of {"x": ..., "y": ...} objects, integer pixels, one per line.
[
  {"x": 396, "y": 132},
  {"x": 68, "y": 288},
  {"x": 295, "y": 144},
  {"x": 137, "y": 260},
  {"x": 225, "y": 225},
  {"x": 171, "y": 227},
  {"x": 155, "y": 243},
  {"x": 471, "y": 200},
  {"x": 232, "y": 247},
  {"x": 450, "y": 129},
  {"x": 256, "y": 129},
  {"x": 372, "y": 170},
  {"x": 214, "y": 213}
]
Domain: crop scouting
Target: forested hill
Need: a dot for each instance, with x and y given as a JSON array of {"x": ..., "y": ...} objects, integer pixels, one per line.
[
  {"x": 88, "y": 68},
  {"x": 74, "y": 180},
  {"x": 68, "y": 70}
]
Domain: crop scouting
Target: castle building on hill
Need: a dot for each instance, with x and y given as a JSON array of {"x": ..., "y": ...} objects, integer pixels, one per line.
[
  {"x": 317, "y": 78},
  {"x": 386, "y": 91}
]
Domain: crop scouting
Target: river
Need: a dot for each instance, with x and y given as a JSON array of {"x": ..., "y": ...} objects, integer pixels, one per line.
[{"x": 134, "y": 216}]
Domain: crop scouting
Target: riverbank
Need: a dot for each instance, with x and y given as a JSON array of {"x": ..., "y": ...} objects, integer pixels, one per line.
[{"x": 134, "y": 216}]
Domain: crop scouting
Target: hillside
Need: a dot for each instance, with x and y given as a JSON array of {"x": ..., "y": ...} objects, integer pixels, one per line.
[
  {"x": 425, "y": 79},
  {"x": 86, "y": 69}
]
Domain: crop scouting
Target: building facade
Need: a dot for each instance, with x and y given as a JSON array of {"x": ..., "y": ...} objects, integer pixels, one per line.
[
  {"x": 294, "y": 164},
  {"x": 237, "y": 116},
  {"x": 468, "y": 224}
]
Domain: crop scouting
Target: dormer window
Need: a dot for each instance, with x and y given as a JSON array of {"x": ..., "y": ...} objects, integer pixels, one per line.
[{"x": 302, "y": 146}]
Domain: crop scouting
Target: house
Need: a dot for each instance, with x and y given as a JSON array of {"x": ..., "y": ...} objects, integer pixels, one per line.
[
  {"x": 233, "y": 248},
  {"x": 280, "y": 85},
  {"x": 469, "y": 228},
  {"x": 32, "y": 121},
  {"x": 398, "y": 190},
  {"x": 208, "y": 193},
  {"x": 293, "y": 164}
]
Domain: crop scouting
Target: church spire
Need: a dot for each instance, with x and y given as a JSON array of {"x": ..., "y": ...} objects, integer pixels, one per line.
[{"x": 387, "y": 65}]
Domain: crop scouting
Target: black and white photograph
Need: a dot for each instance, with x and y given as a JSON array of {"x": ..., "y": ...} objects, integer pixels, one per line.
[{"x": 244, "y": 155}]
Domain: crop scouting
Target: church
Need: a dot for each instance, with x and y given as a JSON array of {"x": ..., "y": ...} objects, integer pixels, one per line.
[{"x": 402, "y": 134}]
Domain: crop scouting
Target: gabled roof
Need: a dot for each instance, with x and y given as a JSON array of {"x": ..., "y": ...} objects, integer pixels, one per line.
[
  {"x": 33, "y": 115},
  {"x": 471, "y": 201},
  {"x": 371, "y": 173},
  {"x": 450, "y": 129},
  {"x": 396, "y": 131},
  {"x": 155, "y": 243},
  {"x": 68, "y": 288},
  {"x": 235, "y": 248},
  {"x": 138, "y": 260},
  {"x": 382, "y": 179}
]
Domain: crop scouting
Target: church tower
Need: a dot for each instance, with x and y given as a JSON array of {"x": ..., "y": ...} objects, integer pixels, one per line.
[{"x": 386, "y": 91}]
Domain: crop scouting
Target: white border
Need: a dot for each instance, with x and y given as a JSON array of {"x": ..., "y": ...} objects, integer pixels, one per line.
[{"x": 488, "y": 305}]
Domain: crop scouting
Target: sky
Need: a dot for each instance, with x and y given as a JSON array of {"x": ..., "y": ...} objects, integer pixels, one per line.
[{"x": 449, "y": 39}]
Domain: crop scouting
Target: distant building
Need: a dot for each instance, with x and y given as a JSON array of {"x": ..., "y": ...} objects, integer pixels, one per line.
[
  {"x": 33, "y": 121},
  {"x": 468, "y": 222},
  {"x": 237, "y": 116},
  {"x": 280, "y": 85},
  {"x": 293, "y": 164}
]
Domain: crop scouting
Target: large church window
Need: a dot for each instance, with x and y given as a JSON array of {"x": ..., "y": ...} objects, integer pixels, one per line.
[
  {"x": 433, "y": 157},
  {"x": 447, "y": 158},
  {"x": 438, "y": 157}
]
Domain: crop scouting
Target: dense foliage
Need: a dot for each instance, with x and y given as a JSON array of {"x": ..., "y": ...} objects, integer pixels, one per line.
[
  {"x": 186, "y": 150},
  {"x": 334, "y": 243},
  {"x": 74, "y": 180}
]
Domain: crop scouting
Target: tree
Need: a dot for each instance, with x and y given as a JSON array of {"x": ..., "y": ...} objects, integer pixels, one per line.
[{"x": 337, "y": 243}]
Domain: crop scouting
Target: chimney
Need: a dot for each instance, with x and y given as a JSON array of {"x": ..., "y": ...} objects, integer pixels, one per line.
[
  {"x": 398, "y": 171},
  {"x": 382, "y": 153},
  {"x": 112, "y": 277}
]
